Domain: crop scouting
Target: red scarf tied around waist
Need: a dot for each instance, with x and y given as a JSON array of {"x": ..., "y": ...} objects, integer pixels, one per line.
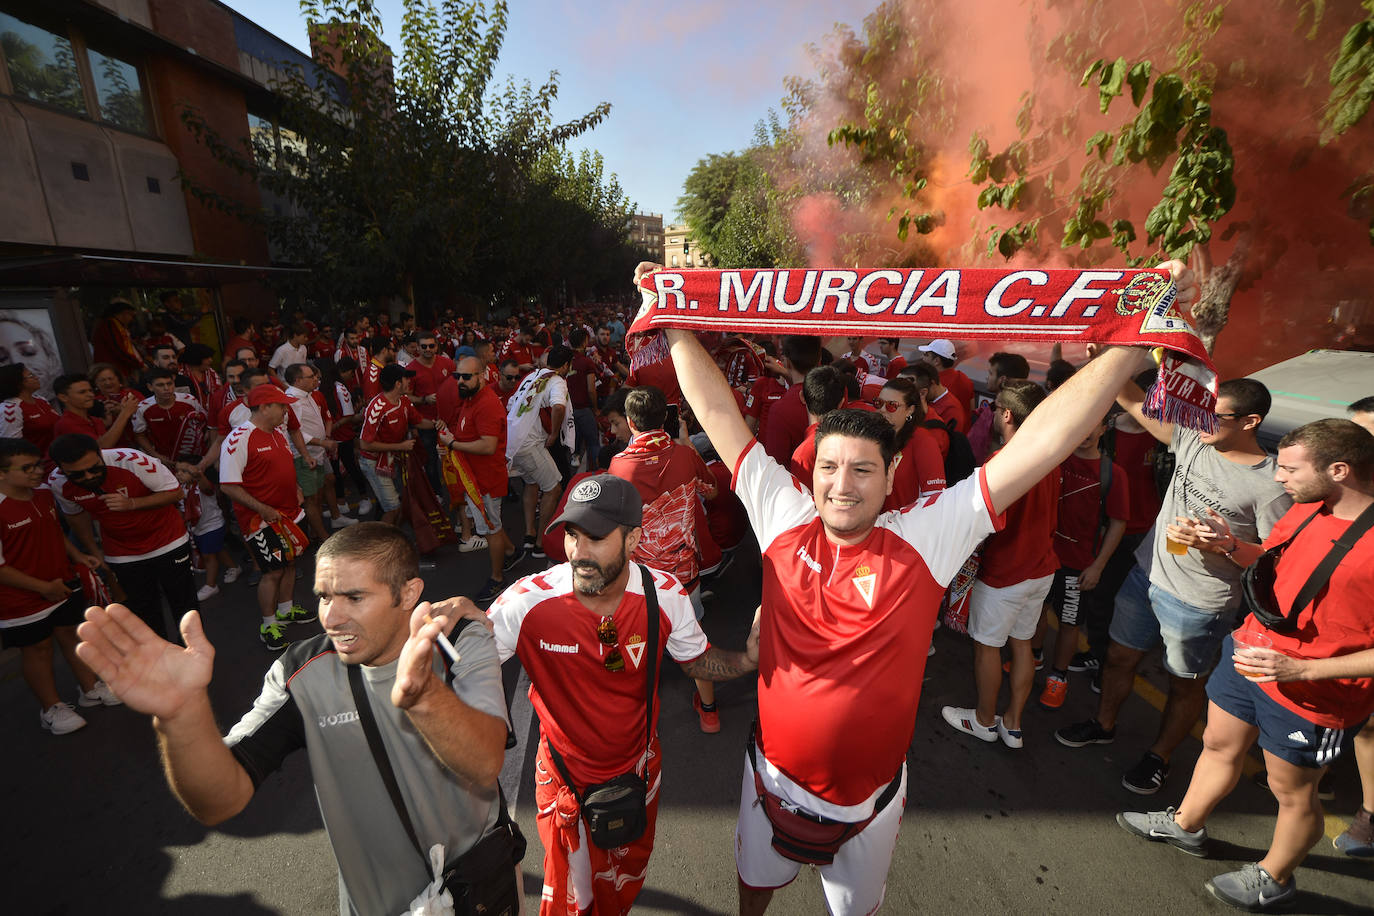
[{"x": 1131, "y": 307}]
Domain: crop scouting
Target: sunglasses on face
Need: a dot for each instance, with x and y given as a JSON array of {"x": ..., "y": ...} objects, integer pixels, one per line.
[
  {"x": 464, "y": 375},
  {"x": 86, "y": 472},
  {"x": 889, "y": 406},
  {"x": 606, "y": 632},
  {"x": 429, "y": 347}
]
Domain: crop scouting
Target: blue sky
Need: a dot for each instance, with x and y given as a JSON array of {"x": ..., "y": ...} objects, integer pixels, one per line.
[{"x": 683, "y": 79}]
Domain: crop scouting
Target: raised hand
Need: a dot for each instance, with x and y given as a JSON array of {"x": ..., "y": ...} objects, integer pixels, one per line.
[
  {"x": 415, "y": 668},
  {"x": 148, "y": 673},
  {"x": 751, "y": 645}
]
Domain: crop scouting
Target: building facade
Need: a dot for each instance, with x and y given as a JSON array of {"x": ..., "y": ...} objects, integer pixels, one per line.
[
  {"x": 680, "y": 249},
  {"x": 93, "y": 148}
]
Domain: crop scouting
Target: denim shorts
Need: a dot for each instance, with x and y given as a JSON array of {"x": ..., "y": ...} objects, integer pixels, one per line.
[
  {"x": 383, "y": 485},
  {"x": 1282, "y": 732},
  {"x": 1147, "y": 614}
]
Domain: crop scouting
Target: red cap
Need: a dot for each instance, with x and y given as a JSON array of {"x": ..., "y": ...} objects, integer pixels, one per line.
[{"x": 268, "y": 394}]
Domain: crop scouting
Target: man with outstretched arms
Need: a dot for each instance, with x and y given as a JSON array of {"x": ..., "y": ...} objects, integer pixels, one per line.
[
  {"x": 441, "y": 726},
  {"x": 581, "y": 632},
  {"x": 850, "y": 598}
]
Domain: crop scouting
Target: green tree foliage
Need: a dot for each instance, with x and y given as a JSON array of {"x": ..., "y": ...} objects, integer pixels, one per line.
[
  {"x": 430, "y": 182},
  {"x": 1352, "y": 93}
]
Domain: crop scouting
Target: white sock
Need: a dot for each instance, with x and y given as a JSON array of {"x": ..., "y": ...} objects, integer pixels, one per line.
[
  {"x": 268, "y": 621},
  {"x": 283, "y": 607}
]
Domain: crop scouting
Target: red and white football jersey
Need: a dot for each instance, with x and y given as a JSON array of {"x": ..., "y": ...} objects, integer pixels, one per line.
[
  {"x": 175, "y": 430},
  {"x": 31, "y": 542},
  {"x": 844, "y": 632},
  {"x": 591, "y": 716},
  {"x": 127, "y": 536},
  {"x": 262, "y": 463},
  {"x": 384, "y": 421},
  {"x": 33, "y": 420}
]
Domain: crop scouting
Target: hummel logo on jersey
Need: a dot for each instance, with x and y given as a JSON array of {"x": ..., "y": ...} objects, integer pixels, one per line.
[
  {"x": 557, "y": 647},
  {"x": 1299, "y": 737},
  {"x": 806, "y": 558},
  {"x": 24, "y": 521},
  {"x": 267, "y": 449},
  {"x": 865, "y": 580}
]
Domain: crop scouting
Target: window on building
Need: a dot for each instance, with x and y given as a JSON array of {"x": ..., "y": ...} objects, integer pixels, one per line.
[
  {"x": 675, "y": 261},
  {"x": 118, "y": 92},
  {"x": 41, "y": 65}
]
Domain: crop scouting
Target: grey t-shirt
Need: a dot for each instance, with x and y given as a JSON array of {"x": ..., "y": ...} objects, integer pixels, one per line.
[
  {"x": 1245, "y": 494},
  {"x": 306, "y": 702}
]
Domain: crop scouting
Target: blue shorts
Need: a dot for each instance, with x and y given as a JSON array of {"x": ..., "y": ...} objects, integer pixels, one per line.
[
  {"x": 1282, "y": 732},
  {"x": 211, "y": 542},
  {"x": 1147, "y": 615}
]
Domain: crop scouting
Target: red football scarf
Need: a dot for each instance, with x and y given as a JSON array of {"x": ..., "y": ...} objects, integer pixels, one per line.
[{"x": 1134, "y": 307}]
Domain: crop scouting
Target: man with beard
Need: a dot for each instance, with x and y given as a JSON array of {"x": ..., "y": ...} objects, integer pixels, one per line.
[
  {"x": 474, "y": 432},
  {"x": 1305, "y": 696},
  {"x": 142, "y": 535},
  {"x": 850, "y": 597},
  {"x": 580, "y": 630}
]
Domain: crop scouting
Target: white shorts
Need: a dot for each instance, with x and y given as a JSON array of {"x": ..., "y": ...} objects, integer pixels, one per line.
[
  {"x": 996, "y": 613},
  {"x": 854, "y": 883},
  {"x": 491, "y": 505},
  {"x": 535, "y": 465}
]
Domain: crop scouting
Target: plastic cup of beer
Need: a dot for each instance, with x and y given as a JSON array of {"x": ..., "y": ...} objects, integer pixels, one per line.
[
  {"x": 1177, "y": 548},
  {"x": 1251, "y": 641}
]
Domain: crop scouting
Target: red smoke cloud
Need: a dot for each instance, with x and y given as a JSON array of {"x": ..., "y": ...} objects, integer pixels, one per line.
[{"x": 1309, "y": 277}]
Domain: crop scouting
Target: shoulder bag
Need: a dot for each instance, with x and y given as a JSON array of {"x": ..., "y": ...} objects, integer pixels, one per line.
[
  {"x": 482, "y": 880},
  {"x": 1257, "y": 581},
  {"x": 615, "y": 812}
]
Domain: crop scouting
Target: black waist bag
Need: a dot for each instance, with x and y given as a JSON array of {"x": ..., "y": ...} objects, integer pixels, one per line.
[
  {"x": 802, "y": 836},
  {"x": 1258, "y": 579},
  {"x": 616, "y": 811}
]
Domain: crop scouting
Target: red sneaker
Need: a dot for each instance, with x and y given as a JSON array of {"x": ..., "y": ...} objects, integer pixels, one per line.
[
  {"x": 1056, "y": 689},
  {"x": 709, "y": 718}
]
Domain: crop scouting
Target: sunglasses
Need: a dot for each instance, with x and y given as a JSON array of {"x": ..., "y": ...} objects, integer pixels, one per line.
[
  {"x": 429, "y": 346},
  {"x": 606, "y": 632},
  {"x": 889, "y": 406},
  {"x": 465, "y": 375},
  {"x": 87, "y": 472},
  {"x": 1230, "y": 416}
]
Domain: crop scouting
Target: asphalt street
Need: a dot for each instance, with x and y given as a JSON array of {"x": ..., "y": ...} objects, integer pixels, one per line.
[{"x": 90, "y": 826}]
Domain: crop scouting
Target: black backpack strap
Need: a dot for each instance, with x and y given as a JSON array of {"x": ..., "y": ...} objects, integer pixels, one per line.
[
  {"x": 1339, "y": 548},
  {"x": 651, "y": 675},
  {"x": 379, "y": 757}
]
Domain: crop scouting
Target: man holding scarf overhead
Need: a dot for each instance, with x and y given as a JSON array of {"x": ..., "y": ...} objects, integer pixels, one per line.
[{"x": 850, "y": 594}]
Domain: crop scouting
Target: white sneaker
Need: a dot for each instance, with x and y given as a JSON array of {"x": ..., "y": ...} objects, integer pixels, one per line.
[
  {"x": 364, "y": 506},
  {"x": 476, "y": 542},
  {"x": 1011, "y": 737},
  {"x": 99, "y": 695},
  {"x": 966, "y": 721},
  {"x": 231, "y": 575},
  {"x": 61, "y": 719},
  {"x": 343, "y": 521},
  {"x": 206, "y": 591}
]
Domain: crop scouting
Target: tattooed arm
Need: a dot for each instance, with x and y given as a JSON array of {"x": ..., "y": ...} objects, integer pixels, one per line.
[{"x": 717, "y": 664}]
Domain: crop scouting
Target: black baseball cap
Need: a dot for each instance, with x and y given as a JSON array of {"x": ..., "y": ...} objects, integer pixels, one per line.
[
  {"x": 393, "y": 373},
  {"x": 601, "y": 503}
]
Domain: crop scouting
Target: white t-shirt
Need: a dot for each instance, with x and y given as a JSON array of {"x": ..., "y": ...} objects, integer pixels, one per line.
[{"x": 287, "y": 355}]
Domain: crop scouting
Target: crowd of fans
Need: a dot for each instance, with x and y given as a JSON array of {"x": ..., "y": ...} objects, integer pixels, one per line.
[{"x": 160, "y": 465}]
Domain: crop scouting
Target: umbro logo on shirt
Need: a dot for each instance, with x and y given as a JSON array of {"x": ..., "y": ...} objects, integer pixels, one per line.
[{"x": 558, "y": 647}]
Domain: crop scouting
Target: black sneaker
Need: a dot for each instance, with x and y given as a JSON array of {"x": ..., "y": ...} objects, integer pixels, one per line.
[
  {"x": 1146, "y": 777},
  {"x": 537, "y": 550},
  {"x": 514, "y": 558},
  {"x": 1097, "y": 681},
  {"x": 1081, "y": 734},
  {"x": 1084, "y": 661},
  {"x": 489, "y": 592}
]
